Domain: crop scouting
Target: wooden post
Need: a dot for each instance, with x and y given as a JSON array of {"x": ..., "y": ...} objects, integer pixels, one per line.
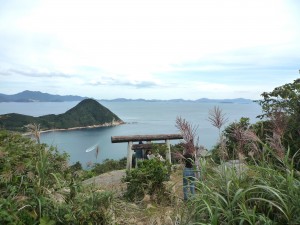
[
  {"x": 168, "y": 154},
  {"x": 129, "y": 155}
]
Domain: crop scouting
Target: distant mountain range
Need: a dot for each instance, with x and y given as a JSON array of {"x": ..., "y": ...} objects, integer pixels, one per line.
[
  {"x": 202, "y": 100},
  {"x": 37, "y": 96},
  {"x": 87, "y": 113}
]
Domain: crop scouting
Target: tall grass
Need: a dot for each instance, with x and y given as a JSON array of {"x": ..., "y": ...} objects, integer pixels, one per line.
[
  {"x": 263, "y": 193},
  {"x": 218, "y": 119}
]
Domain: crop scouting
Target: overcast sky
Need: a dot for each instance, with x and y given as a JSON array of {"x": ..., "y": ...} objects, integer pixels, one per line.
[{"x": 153, "y": 49}]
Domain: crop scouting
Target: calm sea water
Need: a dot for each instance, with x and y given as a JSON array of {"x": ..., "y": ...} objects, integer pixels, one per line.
[{"x": 140, "y": 118}]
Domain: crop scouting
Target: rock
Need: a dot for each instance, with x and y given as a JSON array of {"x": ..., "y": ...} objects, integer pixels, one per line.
[
  {"x": 158, "y": 221},
  {"x": 170, "y": 186},
  {"x": 168, "y": 221},
  {"x": 132, "y": 221},
  {"x": 233, "y": 167},
  {"x": 146, "y": 198},
  {"x": 150, "y": 206}
]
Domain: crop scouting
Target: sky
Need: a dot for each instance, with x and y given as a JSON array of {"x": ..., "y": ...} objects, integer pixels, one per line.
[{"x": 152, "y": 49}]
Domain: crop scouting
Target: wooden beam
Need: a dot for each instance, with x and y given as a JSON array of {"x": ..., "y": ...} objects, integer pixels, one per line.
[
  {"x": 156, "y": 137},
  {"x": 144, "y": 146}
]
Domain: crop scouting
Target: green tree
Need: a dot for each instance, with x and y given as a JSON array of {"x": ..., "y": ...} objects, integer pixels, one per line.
[
  {"x": 281, "y": 109},
  {"x": 284, "y": 98}
]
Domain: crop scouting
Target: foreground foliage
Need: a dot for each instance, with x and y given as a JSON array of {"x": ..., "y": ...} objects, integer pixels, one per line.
[
  {"x": 243, "y": 194},
  {"x": 37, "y": 187}
]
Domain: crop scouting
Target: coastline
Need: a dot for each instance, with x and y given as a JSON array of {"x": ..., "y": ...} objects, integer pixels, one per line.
[{"x": 111, "y": 124}]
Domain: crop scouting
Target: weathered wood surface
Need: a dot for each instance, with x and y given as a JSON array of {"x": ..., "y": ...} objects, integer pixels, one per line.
[
  {"x": 145, "y": 146},
  {"x": 156, "y": 137},
  {"x": 129, "y": 155}
]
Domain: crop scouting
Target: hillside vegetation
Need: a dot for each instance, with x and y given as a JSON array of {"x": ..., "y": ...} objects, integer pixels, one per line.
[{"x": 88, "y": 112}]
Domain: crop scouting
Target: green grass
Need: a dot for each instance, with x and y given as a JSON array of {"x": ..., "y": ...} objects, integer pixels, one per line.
[{"x": 261, "y": 194}]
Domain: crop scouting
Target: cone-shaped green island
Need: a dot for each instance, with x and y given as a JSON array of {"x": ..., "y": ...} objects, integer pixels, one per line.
[{"x": 87, "y": 113}]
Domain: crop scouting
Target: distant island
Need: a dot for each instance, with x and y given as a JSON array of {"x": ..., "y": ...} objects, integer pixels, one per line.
[
  {"x": 37, "y": 96},
  {"x": 86, "y": 114}
]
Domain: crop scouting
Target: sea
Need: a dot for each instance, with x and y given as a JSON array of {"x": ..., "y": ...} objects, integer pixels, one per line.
[{"x": 140, "y": 117}]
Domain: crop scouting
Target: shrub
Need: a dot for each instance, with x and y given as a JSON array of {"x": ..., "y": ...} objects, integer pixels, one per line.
[{"x": 148, "y": 178}]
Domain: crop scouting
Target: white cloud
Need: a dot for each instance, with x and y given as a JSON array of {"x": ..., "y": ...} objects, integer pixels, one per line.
[{"x": 138, "y": 43}]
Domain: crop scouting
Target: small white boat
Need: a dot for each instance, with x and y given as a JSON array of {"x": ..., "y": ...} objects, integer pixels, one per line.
[{"x": 91, "y": 148}]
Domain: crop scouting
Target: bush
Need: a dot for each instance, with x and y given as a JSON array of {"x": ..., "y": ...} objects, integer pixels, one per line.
[{"x": 148, "y": 178}]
